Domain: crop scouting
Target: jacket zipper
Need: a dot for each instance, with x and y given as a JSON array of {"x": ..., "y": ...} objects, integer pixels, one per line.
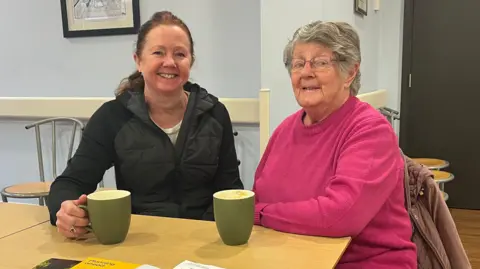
[
  {"x": 162, "y": 133},
  {"x": 430, "y": 244}
]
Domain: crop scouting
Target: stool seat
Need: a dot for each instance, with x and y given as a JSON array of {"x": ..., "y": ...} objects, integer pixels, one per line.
[
  {"x": 25, "y": 190},
  {"x": 432, "y": 163},
  {"x": 442, "y": 176}
]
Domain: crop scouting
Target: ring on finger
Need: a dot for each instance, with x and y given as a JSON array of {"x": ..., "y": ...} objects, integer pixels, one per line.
[{"x": 73, "y": 230}]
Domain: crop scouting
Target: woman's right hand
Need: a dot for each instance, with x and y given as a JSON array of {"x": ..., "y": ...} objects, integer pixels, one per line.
[{"x": 71, "y": 219}]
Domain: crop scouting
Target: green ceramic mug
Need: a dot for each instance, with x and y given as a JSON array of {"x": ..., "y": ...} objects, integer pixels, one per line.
[
  {"x": 109, "y": 212},
  {"x": 234, "y": 215}
]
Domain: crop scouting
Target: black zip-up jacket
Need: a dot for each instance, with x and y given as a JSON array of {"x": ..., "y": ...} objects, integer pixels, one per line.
[{"x": 164, "y": 179}]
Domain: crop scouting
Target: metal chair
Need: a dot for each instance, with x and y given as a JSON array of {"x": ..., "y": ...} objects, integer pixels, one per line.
[
  {"x": 391, "y": 114},
  {"x": 41, "y": 189}
]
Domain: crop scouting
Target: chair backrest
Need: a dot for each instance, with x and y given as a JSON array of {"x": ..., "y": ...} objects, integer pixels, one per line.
[
  {"x": 53, "y": 121},
  {"x": 391, "y": 114}
]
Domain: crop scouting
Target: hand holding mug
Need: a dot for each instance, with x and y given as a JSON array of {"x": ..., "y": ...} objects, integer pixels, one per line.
[
  {"x": 105, "y": 213},
  {"x": 72, "y": 221}
]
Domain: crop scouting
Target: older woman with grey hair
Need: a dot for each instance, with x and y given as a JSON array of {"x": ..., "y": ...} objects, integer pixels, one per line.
[{"x": 334, "y": 167}]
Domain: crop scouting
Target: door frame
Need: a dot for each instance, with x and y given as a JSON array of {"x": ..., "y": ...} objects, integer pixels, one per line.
[{"x": 406, "y": 70}]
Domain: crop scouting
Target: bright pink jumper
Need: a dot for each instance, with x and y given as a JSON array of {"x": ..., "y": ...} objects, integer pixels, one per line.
[{"x": 340, "y": 177}]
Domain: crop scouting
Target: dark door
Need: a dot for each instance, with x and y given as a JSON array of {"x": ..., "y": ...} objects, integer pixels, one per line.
[{"x": 440, "y": 112}]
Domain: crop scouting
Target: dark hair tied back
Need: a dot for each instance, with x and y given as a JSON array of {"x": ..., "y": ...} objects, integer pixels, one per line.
[{"x": 135, "y": 81}]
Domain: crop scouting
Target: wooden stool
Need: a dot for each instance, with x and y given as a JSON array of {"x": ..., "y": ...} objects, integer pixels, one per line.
[
  {"x": 38, "y": 190},
  {"x": 432, "y": 164},
  {"x": 445, "y": 195},
  {"x": 442, "y": 177}
]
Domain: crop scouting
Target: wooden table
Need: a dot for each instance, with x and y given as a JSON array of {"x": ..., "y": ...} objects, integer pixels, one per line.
[
  {"x": 166, "y": 242},
  {"x": 18, "y": 217}
]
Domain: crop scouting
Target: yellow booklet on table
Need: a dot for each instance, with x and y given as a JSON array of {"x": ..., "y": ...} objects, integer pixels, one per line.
[{"x": 98, "y": 263}]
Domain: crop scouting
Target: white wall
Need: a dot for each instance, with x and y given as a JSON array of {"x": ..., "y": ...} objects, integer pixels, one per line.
[
  {"x": 390, "y": 52},
  {"x": 379, "y": 35},
  {"x": 38, "y": 61}
]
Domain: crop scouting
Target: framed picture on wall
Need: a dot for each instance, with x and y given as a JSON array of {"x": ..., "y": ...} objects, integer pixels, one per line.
[
  {"x": 361, "y": 6},
  {"x": 82, "y": 18}
]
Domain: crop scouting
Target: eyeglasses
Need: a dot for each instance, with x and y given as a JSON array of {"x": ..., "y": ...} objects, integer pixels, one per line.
[{"x": 316, "y": 64}]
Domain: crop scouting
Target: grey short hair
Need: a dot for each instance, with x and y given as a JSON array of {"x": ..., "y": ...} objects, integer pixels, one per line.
[{"x": 340, "y": 37}]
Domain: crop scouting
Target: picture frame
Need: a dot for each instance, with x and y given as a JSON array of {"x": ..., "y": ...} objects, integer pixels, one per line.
[
  {"x": 89, "y": 18},
  {"x": 361, "y": 7}
]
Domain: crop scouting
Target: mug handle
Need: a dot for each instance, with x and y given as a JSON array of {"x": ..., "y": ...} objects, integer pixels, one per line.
[{"x": 89, "y": 226}]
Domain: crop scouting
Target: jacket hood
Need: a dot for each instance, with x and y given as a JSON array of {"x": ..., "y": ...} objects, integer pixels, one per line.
[{"x": 199, "y": 100}]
